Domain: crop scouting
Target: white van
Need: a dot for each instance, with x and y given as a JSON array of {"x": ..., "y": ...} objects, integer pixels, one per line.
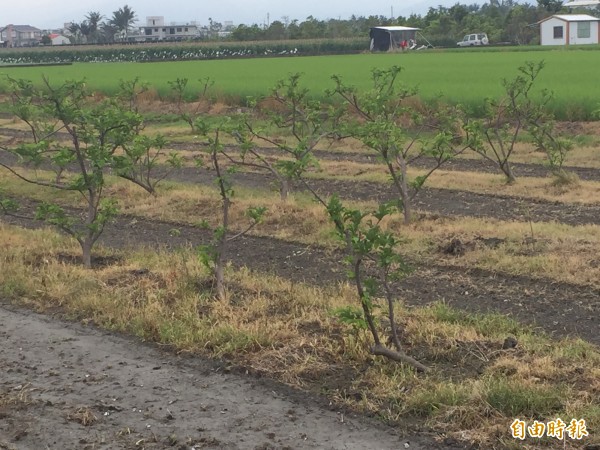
[{"x": 471, "y": 40}]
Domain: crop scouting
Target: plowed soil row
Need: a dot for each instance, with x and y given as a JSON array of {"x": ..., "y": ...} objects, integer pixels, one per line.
[
  {"x": 558, "y": 308},
  {"x": 457, "y": 164},
  {"x": 445, "y": 202}
]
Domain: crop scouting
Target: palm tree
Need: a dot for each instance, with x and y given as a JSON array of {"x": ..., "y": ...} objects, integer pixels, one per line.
[
  {"x": 85, "y": 30},
  {"x": 93, "y": 20},
  {"x": 106, "y": 34},
  {"x": 75, "y": 31},
  {"x": 123, "y": 18}
]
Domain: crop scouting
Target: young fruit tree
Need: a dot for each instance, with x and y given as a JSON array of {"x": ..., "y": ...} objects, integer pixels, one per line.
[
  {"x": 77, "y": 139},
  {"x": 505, "y": 119},
  {"x": 374, "y": 265},
  {"x": 305, "y": 123},
  {"x": 370, "y": 250},
  {"x": 387, "y": 120},
  {"x": 143, "y": 160},
  {"x": 212, "y": 130}
]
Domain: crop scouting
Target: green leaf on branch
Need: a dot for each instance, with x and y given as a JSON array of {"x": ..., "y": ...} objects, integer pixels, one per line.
[
  {"x": 351, "y": 315},
  {"x": 256, "y": 213}
]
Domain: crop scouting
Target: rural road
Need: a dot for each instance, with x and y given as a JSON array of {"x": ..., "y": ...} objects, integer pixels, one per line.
[{"x": 57, "y": 373}]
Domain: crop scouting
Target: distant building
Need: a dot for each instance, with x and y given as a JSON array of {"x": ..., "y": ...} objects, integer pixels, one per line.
[
  {"x": 156, "y": 30},
  {"x": 569, "y": 29},
  {"x": 66, "y": 29},
  {"x": 20, "y": 35},
  {"x": 59, "y": 39}
]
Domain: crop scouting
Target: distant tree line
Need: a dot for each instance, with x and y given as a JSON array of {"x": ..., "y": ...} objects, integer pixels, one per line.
[{"x": 502, "y": 20}]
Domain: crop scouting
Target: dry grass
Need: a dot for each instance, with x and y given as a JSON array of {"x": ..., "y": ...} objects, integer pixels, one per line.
[
  {"x": 583, "y": 192},
  {"x": 554, "y": 251},
  {"x": 14, "y": 123},
  {"x": 84, "y": 416},
  {"x": 16, "y": 397},
  {"x": 286, "y": 331}
]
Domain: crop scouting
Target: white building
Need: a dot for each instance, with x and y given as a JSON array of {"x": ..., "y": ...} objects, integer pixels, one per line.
[
  {"x": 569, "y": 29},
  {"x": 156, "y": 30},
  {"x": 59, "y": 39}
]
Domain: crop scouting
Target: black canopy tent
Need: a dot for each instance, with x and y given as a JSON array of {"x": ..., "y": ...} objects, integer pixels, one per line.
[{"x": 389, "y": 38}]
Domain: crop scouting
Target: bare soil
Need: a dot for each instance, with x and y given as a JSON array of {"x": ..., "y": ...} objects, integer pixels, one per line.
[
  {"x": 83, "y": 388},
  {"x": 445, "y": 202},
  {"x": 106, "y": 391},
  {"x": 560, "y": 309},
  {"x": 457, "y": 164}
]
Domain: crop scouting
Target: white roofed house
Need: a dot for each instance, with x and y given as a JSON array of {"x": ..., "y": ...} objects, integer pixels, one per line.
[{"x": 569, "y": 29}]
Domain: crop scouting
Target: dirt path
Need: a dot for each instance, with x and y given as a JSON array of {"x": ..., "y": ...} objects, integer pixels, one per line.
[{"x": 144, "y": 398}]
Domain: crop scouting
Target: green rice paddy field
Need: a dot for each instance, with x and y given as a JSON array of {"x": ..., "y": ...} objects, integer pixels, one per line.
[{"x": 460, "y": 77}]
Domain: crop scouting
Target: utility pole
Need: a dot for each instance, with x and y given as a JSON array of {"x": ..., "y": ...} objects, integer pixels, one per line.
[{"x": 392, "y": 16}]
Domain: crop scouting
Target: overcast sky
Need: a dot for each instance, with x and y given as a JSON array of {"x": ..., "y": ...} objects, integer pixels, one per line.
[{"x": 52, "y": 14}]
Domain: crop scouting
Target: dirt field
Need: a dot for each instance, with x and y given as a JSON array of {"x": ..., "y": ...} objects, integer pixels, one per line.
[
  {"x": 557, "y": 308},
  {"x": 107, "y": 391},
  {"x": 136, "y": 396}
]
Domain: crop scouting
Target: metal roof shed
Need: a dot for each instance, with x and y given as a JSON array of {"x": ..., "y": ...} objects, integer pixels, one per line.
[{"x": 389, "y": 38}]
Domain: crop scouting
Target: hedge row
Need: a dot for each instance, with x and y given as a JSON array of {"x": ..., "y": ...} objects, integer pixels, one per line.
[{"x": 152, "y": 52}]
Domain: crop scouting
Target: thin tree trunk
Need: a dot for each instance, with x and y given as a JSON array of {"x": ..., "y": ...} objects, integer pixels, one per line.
[
  {"x": 284, "y": 189},
  {"x": 86, "y": 248},
  {"x": 402, "y": 187},
  {"x": 508, "y": 171},
  {"x": 220, "y": 276},
  {"x": 88, "y": 240},
  {"x": 222, "y": 240},
  {"x": 361, "y": 296},
  {"x": 391, "y": 315},
  {"x": 220, "y": 256},
  {"x": 220, "y": 253},
  {"x": 406, "y": 208}
]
